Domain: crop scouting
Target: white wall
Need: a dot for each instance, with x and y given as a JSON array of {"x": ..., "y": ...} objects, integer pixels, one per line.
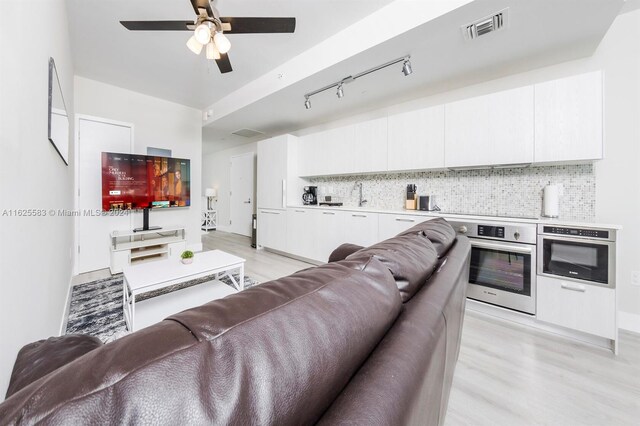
[
  {"x": 157, "y": 123},
  {"x": 35, "y": 257},
  {"x": 618, "y": 175},
  {"x": 216, "y": 172}
]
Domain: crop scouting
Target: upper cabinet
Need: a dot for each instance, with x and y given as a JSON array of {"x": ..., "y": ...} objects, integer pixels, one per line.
[
  {"x": 357, "y": 148},
  {"x": 488, "y": 130},
  {"x": 277, "y": 172},
  {"x": 568, "y": 119},
  {"x": 416, "y": 139}
]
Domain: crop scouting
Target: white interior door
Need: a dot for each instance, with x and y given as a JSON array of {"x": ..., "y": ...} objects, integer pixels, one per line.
[
  {"x": 242, "y": 193},
  {"x": 95, "y": 137}
]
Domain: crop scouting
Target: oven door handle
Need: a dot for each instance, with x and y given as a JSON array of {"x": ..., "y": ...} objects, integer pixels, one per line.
[{"x": 520, "y": 248}]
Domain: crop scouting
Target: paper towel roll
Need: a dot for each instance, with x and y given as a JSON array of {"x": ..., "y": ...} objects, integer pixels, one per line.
[{"x": 551, "y": 201}]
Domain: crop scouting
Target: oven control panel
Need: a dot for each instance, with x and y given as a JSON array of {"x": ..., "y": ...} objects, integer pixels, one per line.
[
  {"x": 491, "y": 231},
  {"x": 576, "y": 232}
]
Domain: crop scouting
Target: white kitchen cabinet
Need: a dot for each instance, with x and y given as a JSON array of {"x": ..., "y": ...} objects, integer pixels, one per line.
[
  {"x": 278, "y": 175},
  {"x": 330, "y": 228},
  {"x": 302, "y": 232},
  {"x": 272, "y": 229},
  {"x": 583, "y": 307},
  {"x": 361, "y": 228},
  {"x": 416, "y": 139},
  {"x": 390, "y": 225},
  {"x": 272, "y": 172},
  {"x": 356, "y": 148},
  {"x": 493, "y": 129},
  {"x": 367, "y": 152},
  {"x": 568, "y": 119}
]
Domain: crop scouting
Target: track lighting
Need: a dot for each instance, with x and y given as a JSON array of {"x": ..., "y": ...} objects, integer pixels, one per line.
[
  {"x": 406, "y": 67},
  {"x": 406, "y": 70}
]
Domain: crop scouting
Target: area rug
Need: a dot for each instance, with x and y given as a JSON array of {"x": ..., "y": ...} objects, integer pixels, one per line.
[{"x": 96, "y": 307}]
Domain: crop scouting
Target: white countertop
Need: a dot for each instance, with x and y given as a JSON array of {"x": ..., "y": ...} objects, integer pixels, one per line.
[{"x": 462, "y": 217}]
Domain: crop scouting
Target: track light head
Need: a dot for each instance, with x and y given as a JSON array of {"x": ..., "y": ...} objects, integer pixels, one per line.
[
  {"x": 307, "y": 103},
  {"x": 340, "y": 92},
  {"x": 406, "y": 68}
]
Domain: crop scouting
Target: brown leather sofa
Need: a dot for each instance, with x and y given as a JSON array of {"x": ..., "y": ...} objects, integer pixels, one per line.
[{"x": 370, "y": 338}]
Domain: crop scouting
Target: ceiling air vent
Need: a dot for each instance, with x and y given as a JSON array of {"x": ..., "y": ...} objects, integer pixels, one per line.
[
  {"x": 486, "y": 25},
  {"x": 247, "y": 133}
]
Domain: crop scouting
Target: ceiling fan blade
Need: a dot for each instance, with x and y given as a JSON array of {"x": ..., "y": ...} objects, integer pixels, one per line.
[
  {"x": 260, "y": 25},
  {"x": 224, "y": 65},
  {"x": 157, "y": 25},
  {"x": 202, "y": 4}
]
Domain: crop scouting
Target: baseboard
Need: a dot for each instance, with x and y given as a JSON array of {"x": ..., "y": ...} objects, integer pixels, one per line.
[
  {"x": 628, "y": 321},
  {"x": 65, "y": 311},
  {"x": 223, "y": 228}
]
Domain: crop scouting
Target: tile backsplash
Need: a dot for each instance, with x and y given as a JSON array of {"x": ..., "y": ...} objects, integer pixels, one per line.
[{"x": 497, "y": 192}]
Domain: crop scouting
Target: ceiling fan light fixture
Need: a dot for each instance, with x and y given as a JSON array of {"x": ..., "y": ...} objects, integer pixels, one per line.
[
  {"x": 194, "y": 45},
  {"x": 212, "y": 51},
  {"x": 222, "y": 42},
  {"x": 202, "y": 33}
]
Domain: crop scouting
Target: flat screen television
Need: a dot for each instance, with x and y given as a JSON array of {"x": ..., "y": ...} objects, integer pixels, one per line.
[{"x": 132, "y": 182}]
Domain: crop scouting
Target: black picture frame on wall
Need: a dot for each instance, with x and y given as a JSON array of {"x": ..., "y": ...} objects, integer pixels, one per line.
[{"x": 58, "y": 120}]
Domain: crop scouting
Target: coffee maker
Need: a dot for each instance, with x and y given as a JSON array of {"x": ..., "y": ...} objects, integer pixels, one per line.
[{"x": 310, "y": 196}]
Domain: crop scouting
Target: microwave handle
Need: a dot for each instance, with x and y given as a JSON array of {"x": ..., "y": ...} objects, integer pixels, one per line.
[{"x": 524, "y": 249}]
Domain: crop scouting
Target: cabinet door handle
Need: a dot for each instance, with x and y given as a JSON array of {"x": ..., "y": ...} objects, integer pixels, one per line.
[
  {"x": 404, "y": 220},
  {"x": 299, "y": 211},
  {"x": 573, "y": 287},
  {"x": 331, "y": 213},
  {"x": 269, "y": 212},
  {"x": 359, "y": 215}
]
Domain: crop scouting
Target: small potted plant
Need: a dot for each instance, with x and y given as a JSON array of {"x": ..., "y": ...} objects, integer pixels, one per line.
[{"x": 187, "y": 257}]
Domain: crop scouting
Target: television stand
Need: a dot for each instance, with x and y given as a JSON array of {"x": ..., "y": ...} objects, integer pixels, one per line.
[
  {"x": 130, "y": 247},
  {"x": 145, "y": 223}
]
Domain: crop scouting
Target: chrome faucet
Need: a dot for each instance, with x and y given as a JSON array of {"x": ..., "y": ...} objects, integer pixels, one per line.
[{"x": 360, "y": 200}]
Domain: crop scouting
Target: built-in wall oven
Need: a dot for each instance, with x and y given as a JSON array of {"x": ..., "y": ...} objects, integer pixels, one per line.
[
  {"x": 581, "y": 254},
  {"x": 503, "y": 263}
]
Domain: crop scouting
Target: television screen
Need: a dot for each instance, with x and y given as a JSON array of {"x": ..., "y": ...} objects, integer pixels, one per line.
[{"x": 131, "y": 181}]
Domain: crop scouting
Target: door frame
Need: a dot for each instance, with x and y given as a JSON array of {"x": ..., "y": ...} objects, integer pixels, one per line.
[
  {"x": 76, "y": 173},
  {"x": 253, "y": 184}
]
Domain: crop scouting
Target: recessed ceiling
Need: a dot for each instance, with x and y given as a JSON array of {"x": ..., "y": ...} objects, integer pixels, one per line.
[
  {"x": 159, "y": 63},
  {"x": 539, "y": 33}
]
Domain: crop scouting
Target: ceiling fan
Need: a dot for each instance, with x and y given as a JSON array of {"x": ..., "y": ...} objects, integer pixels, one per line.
[{"x": 209, "y": 30}]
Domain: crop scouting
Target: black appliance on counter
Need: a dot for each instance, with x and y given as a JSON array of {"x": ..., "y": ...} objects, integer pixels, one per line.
[{"x": 310, "y": 196}]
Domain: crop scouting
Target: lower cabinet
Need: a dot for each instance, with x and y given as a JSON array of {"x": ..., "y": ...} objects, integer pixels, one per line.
[
  {"x": 272, "y": 229},
  {"x": 330, "y": 233},
  {"x": 390, "y": 225},
  {"x": 583, "y": 307},
  {"x": 361, "y": 228},
  {"x": 302, "y": 232}
]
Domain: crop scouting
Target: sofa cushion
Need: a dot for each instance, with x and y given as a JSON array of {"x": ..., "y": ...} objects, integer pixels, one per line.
[
  {"x": 40, "y": 358},
  {"x": 277, "y": 353},
  {"x": 342, "y": 251},
  {"x": 411, "y": 259},
  {"x": 438, "y": 231}
]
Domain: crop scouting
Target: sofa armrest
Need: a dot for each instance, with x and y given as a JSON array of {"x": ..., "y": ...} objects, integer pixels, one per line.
[
  {"x": 40, "y": 358},
  {"x": 343, "y": 251}
]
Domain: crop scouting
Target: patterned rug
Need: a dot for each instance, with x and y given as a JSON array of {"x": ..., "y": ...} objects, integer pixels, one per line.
[{"x": 96, "y": 307}]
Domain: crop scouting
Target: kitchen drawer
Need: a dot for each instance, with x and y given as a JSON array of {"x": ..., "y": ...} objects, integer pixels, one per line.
[
  {"x": 390, "y": 225},
  {"x": 583, "y": 307},
  {"x": 361, "y": 228}
]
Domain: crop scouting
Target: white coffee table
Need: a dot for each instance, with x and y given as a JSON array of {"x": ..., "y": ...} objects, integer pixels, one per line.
[{"x": 152, "y": 276}]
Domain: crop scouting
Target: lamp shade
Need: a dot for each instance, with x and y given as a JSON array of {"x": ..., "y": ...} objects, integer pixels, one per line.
[{"x": 210, "y": 192}]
